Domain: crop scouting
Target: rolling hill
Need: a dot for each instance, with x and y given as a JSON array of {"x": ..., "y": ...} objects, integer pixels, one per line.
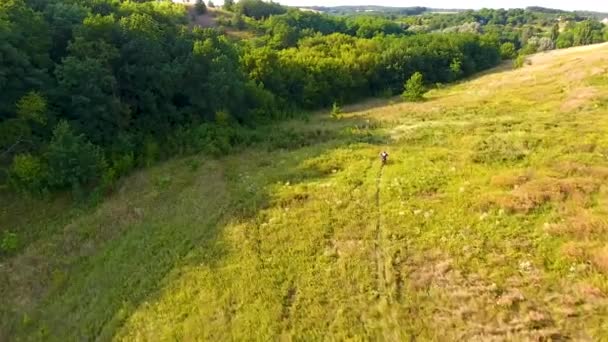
[{"x": 488, "y": 223}]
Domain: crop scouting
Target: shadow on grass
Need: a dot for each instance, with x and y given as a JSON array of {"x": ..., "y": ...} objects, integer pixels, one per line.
[{"x": 86, "y": 280}]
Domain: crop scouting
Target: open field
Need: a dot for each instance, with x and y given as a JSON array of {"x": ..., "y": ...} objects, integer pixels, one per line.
[{"x": 490, "y": 222}]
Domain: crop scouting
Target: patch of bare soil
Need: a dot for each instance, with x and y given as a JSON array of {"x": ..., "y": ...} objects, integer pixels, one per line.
[
  {"x": 577, "y": 98},
  {"x": 469, "y": 307},
  {"x": 204, "y": 20},
  {"x": 201, "y": 20}
]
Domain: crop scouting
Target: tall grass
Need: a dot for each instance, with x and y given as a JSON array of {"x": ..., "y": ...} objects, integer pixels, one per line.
[{"x": 489, "y": 221}]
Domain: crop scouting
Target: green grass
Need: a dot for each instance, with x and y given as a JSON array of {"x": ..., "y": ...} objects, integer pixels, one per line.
[{"x": 489, "y": 222}]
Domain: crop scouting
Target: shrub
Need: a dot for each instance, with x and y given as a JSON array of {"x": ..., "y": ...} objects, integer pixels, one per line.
[
  {"x": 223, "y": 117},
  {"x": 212, "y": 139},
  {"x": 565, "y": 40},
  {"x": 498, "y": 149},
  {"x": 456, "y": 68},
  {"x": 508, "y": 51},
  {"x": 530, "y": 48},
  {"x": 119, "y": 166},
  {"x": 73, "y": 161},
  {"x": 414, "y": 88},
  {"x": 336, "y": 111},
  {"x": 9, "y": 242},
  {"x": 386, "y": 93},
  {"x": 545, "y": 44},
  {"x": 28, "y": 174},
  {"x": 519, "y": 61},
  {"x": 151, "y": 152},
  {"x": 200, "y": 7},
  {"x": 228, "y": 5},
  {"x": 238, "y": 22}
]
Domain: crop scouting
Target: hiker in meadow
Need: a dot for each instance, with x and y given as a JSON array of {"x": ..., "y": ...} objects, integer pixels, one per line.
[{"x": 384, "y": 157}]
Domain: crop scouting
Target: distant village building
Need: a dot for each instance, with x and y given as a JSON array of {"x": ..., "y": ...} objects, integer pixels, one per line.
[{"x": 605, "y": 21}]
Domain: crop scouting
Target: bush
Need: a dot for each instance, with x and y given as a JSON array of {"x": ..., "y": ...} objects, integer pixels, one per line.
[
  {"x": 212, "y": 139},
  {"x": 530, "y": 48},
  {"x": 336, "y": 111},
  {"x": 200, "y": 7},
  {"x": 119, "y": 166},
  {"x": 414, "y": 88},
  {"x": 73, "y": 160},
  {"x": 386, "y": 93},
  {"x": 150, "y": 153},
  {"x": 228, "y": 5},
  {"x": 28, "y": 174},
  {"x": 259, "y": 9},
  {"x": 456, "y": 68},
  {"x": 545, "y": 44},
  {"x": 519, "y": 61},
  {"x": 9, "y": 242},
  {"x": 565, "y": 40},
  {"x": 508, "y": 51},
  {"x": 238, "y": 22},
  {"x": 498, "y": 149}
]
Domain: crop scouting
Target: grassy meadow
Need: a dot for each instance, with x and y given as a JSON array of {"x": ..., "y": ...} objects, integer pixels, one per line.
[{"x": 490, "y": 222}]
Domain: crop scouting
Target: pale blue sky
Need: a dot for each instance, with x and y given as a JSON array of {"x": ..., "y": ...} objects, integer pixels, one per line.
[{"x": 594, "y": 5}]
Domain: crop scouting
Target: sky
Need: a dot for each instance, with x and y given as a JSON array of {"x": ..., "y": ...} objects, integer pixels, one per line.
[{"x": 592, "y": 5}]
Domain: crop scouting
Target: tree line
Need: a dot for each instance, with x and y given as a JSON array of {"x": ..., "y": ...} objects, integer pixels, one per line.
[{"x": 94, "y": 88}]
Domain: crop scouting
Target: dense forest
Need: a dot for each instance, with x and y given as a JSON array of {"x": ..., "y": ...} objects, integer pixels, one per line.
[{"x": 92, "y": 89}]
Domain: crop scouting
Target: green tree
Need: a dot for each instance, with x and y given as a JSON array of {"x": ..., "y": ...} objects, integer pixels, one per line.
[
  {"x": 583, "y": 34},
  {"x": 210, "y": 4},
  {"x": 89, "y": 96},
  {"x": 63, "y": 19},
  {"x": 259, "y": 9},
  {"x": 519, "y": 61},
  {"x": 31, "y": 117},
  {"x": 456, "y": 68},
  {"x": 200, "y": 7},
  {"x": 588, "y": 32},
  {"x": 28, "y": 173},
  {"x": 24, "y": 57},
  {"x": 545, "y": 44},
  {"x": 414, "y": 88},
  {"x": 508, "y": 51},
  {"x": 33, "y": 107},
  {"x": 526, "y": 34},
  {"x": 73, "y": 161},
  {"x": 555, "y": 32},
  {"x": 530, "y": 47},
  {"x": 238, "y": 21},
  {"x": 229, "y": 5},
  {"x": 565, "y": 40}
]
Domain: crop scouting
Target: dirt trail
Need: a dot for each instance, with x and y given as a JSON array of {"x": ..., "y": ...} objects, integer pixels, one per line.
[
  {"x": 202, "y": 20},
  {"x": 378, "y": 248}
]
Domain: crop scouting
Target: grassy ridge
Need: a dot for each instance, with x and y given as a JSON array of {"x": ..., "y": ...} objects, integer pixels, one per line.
[{"x": 488, "y": 222}]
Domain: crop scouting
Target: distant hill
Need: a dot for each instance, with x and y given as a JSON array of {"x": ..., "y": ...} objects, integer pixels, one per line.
[
  {"x": 416, "y": 10},
  {"x": 588, "y": 14}
]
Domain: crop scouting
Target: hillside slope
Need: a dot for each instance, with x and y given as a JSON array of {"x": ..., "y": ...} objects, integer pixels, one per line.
[{"x": 489, "y": 222}]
